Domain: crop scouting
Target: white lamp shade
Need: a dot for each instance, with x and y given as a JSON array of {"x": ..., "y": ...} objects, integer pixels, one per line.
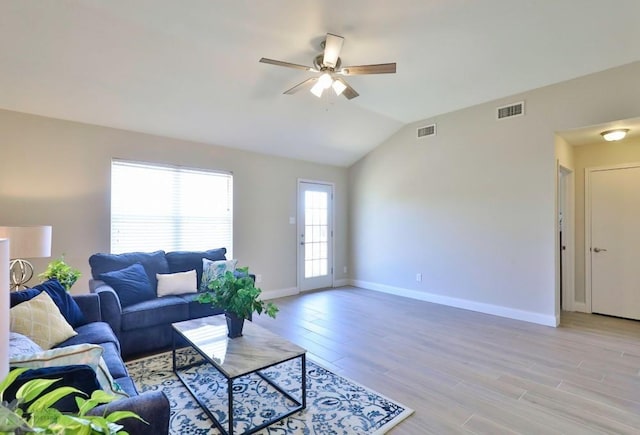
[
  {"x": 325, "y": 80},
  {"x": 4, "y": 308},
  {"x": 317, "y": 89},
  {"x": 339, "y": 87},
  {"x": 28, "y": 242}
]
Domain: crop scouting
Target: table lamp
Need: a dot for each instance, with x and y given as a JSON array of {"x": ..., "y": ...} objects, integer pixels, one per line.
[{"x": 25, "y": 242}]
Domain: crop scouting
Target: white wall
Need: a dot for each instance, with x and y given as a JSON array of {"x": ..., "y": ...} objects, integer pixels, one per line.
[
  {"x": 474, "y": 208},
  {"x": 56, "y": 172}
]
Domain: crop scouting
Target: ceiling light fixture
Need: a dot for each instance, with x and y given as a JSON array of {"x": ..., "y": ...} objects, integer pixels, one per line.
[
  {"x": 325, "y": 81},
  {"x": 617, "y": 134},
  {"x": 338, "y": 87},
  {"x": 317, "y": 89}
]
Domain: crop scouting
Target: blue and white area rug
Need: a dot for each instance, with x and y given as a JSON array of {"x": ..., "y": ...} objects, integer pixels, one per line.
[{"x": 335, "y": 405}]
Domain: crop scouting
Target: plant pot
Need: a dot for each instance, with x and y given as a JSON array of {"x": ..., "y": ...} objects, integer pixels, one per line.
[{"x": 234, "y": 325}]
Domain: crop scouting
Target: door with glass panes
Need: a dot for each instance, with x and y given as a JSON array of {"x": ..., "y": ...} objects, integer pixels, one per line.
[{"x": 315, "y": 235}]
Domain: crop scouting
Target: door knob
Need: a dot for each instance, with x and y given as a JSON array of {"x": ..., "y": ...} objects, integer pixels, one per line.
[{"x": 598, "y": 249}]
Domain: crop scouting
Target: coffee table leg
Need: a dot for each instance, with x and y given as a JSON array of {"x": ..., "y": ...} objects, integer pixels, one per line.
[
  {"x": 230, "y": 396},
  {"x": 173, "y": 341},
  {"x": 304, "y": 381}
]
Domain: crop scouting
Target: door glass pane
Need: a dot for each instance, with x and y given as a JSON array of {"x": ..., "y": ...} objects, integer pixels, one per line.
[{"x": 316, "y": 234}]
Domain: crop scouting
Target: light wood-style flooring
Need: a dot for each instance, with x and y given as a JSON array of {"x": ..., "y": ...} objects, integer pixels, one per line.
[{"x": 467, "y": 372}]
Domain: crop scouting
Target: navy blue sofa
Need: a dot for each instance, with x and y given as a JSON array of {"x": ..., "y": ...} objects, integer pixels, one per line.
[
  {"x": 145, "y": 326},
  {"x": 151, "y": 406}
]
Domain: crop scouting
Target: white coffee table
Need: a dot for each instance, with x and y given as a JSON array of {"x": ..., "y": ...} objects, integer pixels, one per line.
[{"x": 257, "y": 349}]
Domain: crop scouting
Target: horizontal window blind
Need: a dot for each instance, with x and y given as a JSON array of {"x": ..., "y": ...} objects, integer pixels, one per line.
[{"x": 170, "y": 208}]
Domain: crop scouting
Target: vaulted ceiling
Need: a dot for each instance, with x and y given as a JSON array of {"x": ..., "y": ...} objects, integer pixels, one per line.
[{"x": 189, "y": 69}]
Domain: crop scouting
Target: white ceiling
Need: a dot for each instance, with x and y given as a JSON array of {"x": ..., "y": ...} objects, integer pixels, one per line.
[
  {"x": 189, "y": 69},
  {"x": 589, "y": 135}
]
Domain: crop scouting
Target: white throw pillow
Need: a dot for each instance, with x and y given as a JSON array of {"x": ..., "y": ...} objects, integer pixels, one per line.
[
  {"x": 177, "y": 283},
  {"x": 213, "y": 269},
  {"x": 89, "y": 354}
]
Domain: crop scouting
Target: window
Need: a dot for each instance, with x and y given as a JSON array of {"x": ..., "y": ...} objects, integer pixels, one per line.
[{"x": 170, "y": 208}]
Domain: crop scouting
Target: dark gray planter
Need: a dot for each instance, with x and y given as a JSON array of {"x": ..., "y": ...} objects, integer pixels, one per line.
[{"x": 234, "y": 325}]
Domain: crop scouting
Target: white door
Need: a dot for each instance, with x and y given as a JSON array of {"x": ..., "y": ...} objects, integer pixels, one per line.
[
  {"x": 615, "y": 241},
  {"x": 315, "y": 235}
]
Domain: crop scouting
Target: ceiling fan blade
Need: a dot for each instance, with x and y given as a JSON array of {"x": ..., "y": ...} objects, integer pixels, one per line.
[
  {"x": 381, "y": 68},
  {"x": 349, "y": 92},
  {"x": 286, "y": 64},
  {"x": 306, "y": 84},
  {"x": 332, "y": 48}
]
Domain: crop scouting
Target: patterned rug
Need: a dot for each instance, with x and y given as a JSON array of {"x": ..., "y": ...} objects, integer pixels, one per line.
[{"x": 335, "y": 405}]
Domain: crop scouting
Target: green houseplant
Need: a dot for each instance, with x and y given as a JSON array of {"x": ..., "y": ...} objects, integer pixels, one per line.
[
  {"x": 238, "y": 296},
  {"x": 32, "y": 410},
  {"x": 65, "y": 274}
]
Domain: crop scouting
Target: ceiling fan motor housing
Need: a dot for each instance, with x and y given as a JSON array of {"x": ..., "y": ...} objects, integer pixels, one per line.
[{"x": 318, "y": 63}]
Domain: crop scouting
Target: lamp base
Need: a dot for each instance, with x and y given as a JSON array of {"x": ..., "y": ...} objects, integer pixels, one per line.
[{"x": 20, "y": 272}]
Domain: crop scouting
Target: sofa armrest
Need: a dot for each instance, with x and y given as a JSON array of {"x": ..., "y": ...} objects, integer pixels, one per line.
[
  {"x": 90, "y": 306},
  {"x": 152, "y": 406},
  {"x": 110, "y": 308}
]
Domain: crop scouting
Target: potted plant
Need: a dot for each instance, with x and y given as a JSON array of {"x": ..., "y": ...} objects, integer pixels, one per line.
[
  {"x": 238, "y": 296},
  {"x": 32, "y": 410},
  {"x": 65, "y": 274}
]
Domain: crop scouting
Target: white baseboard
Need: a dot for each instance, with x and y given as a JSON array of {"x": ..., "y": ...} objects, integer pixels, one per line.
[
  {"x": 496, "y": 310},
  {"x": 279, "y": 293},
  {"x": 580, "y": 307},
  {"x": 341, "y": 282}
]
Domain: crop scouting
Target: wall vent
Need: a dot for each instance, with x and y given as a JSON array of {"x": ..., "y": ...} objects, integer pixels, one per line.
[
  {"x": 511, "y": 110},
  {"x": 427, "y": 130}
]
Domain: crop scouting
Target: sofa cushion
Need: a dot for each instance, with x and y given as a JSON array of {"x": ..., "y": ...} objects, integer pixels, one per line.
[
  {"x": 182, "y": 261},
  {"x": 198, "y": 310},
  {"x": 94, "y": 333},
  {"x": 41, "y": 321},
  {"x": 111, "y": 356},
  {"x": 177, "y": 283},
  {"x": 158, "y": 311},
  {"x": 153, "y": 262},
  {"x": 63, "y": 300},
  {"x": 131, "y": 284},
  {"x": 128, "y": 386}
]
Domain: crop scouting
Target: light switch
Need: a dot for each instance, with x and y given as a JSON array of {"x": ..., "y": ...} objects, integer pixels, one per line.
[{"x": 292, "y": 220}]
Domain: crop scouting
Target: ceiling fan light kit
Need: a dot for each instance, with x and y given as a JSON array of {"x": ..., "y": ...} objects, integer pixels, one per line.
[{"x": 329, "y": 64}]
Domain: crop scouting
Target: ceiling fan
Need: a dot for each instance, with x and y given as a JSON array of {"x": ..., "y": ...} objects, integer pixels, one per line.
[{"x": 330, "y": 66}]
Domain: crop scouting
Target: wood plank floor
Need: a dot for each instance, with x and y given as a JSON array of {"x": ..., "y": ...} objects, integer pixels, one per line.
[{"x": 466, "y": 372}]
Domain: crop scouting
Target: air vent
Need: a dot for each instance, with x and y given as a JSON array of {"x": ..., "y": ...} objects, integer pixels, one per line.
[
  {"x": 427, "y": 130},
  {"x": 511, "y": 110}
]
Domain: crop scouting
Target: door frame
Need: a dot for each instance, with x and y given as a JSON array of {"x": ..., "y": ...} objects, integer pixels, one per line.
[
  {"x": 299, "y": 228},
  {"x": 566, "y": 205},
  {"x": 587, "y": 224}
]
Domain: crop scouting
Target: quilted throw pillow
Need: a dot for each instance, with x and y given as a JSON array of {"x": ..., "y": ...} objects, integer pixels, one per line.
[
  {"x": 41, "y": 321},
  {"x": 89, "y": 354},
  {"x": 213, "y": 269},
  {"x": 59, "y": 295}
]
